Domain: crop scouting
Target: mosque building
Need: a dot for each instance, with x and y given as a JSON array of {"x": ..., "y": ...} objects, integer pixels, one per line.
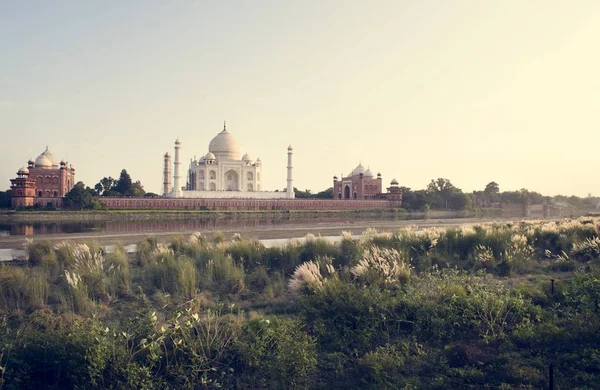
[
  {"x": 361, "y": 183},
  {"x": 44, "y": 181},
  {"x": 221, "y": 173}
]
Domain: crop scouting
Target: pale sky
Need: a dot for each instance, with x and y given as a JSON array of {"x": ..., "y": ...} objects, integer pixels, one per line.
[{"x": 472, "y": 91}]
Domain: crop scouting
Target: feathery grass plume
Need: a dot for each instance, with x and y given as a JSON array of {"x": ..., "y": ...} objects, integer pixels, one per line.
[
  {"x": 484, "y": 255},
  {"x": 586, "y": 250},
  {"x": 382, "y": 265},
  {"x": 218, "y": 237},
  {"x": 197, "y": 238},
  {"x": 306, "y": 278}
]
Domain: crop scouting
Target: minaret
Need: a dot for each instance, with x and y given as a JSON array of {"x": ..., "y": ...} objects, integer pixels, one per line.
[
  {"x": 290, "y": 187},
  {"x": 176, "y": 171},
  {"x": 167, "y": 175}
]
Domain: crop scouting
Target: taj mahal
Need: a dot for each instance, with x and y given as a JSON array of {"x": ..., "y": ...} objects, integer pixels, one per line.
[{"x": 221, "y": 173}]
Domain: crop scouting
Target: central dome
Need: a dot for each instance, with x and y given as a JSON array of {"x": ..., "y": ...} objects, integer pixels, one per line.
[
  {"x": 46, "y": 160},
  {"x": 224, "y": 146}
]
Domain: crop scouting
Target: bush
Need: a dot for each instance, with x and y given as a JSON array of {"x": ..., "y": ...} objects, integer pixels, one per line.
[
  {"x": 22, "y": 289},
  {"x": 275, "y": 352},
  {"x": 41, "y": 253},
  {"x": 176, "y": 276}
]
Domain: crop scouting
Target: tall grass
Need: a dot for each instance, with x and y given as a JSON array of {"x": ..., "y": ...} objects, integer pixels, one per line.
[{"x": 22, "y": 289}]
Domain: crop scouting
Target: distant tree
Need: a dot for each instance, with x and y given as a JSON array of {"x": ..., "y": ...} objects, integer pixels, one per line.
[
  {"x": 459, "y": 201},
  {"x": 492, "y": 192},
  {"x": 138, "y": 189},
  {"x": 492, "y": 188},
  {"x": 124, "y": 186},
  {"x": 440, "y": 190},
  {"x": 78, "y": 198},
  {"x": 302, "y": 194},
  {"x": 105, "y": 186},
  {"x": 325, "y": 194},
  {"x": 5, "y": 199}
]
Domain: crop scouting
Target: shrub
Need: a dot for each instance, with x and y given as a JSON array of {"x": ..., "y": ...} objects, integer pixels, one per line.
[
  {"x": 40, "y": 253},
  {"x": 176, "y": 276},
  {"x": 221, "y": 274},
  {"x": 22, "y": 289},
  {"x": 275, "y": 352}
]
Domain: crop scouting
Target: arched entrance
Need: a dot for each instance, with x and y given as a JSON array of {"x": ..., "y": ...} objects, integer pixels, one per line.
[
  {"x": 347, "y": 192},
  {"x": 232, "y": 180}
]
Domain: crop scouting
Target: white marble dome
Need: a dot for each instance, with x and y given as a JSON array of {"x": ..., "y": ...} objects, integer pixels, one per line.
[
  {"x": 368, "y": 174},
  {"x": 224, "y": 146},
  {"x": 246, "y": 157},
  {"x": 23, "y": 171},
  {"x": 209, "y": 156},
  {"x": 358, "y": 170},
  {"x": 43, "y": 162}
]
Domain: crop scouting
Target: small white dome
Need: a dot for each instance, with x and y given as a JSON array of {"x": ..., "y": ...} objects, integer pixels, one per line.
[
  {"x": 43, "y": 162},
  {"x": 209, "y": 156},
  {"x": 23, "y": 171},
  {"x": 394, "y": 182},
  {"x": 246, "y": 157},
  {"x": 369, "y": 174},
  {"x": 224, "y": 145}
]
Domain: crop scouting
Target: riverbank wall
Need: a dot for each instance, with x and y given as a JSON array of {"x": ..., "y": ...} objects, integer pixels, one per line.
[{"x": 245, "y": 204}]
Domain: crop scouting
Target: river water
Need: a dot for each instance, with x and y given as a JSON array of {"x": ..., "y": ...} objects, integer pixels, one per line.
[{"x": 179, "y": 225}]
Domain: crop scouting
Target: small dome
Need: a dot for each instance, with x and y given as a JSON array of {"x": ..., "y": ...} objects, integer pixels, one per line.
[
  {"x": 258, "y": 159},
  {"x": 209, "y": 156},
  {"x": 290, "y": 148},
  {"x": 224, "y": 145},
  {"x": 246, "y": 157},
  {"x": 23, "y": 171},
  {"x": 30, "y": 162},
  {"x": 369, "y": 174},
  {"x": 43, "y": 162},
  {"x": 394, "y": 182},
  {"x": 63, "y": 162}
]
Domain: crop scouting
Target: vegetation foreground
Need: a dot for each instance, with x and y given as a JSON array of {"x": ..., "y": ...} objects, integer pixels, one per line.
[{"x": 489, "y": 306}]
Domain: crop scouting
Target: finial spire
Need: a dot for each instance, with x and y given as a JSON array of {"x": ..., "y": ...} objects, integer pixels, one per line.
[{"x": 224, "y": 125}]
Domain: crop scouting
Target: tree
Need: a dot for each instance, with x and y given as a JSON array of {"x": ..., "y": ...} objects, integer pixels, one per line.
[
  {"x": 325, "y": 194},
  {"x": 105, "y": 186},
  {"x": 302, "y": 194},
  {"x": 138, "y": 189},
  {"x": 124, "y": 185},
  {"x": 492, "y": 192},
  {"x": 5, "y": 199},
  {"x": 441, "y": 189},
  {"x": 78, "y": 198}
]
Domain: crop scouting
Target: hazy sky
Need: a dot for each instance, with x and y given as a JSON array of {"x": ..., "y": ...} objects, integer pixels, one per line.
[{"x": 472, "y": 91}]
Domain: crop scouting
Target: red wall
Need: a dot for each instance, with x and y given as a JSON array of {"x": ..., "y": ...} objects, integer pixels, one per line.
[{"x": 243, "y": 204}]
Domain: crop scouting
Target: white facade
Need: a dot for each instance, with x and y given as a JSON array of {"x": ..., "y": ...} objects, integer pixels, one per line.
[{"x": 221, "y": 173}]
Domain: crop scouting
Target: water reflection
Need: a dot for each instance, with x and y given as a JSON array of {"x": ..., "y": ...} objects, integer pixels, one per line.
[{"x": 165, "y": 225}]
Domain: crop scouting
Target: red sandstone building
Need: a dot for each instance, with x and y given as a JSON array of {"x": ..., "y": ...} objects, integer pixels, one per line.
[
  {"x": 362, "y": 184},
  {"x": 44, "y": 181}
]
